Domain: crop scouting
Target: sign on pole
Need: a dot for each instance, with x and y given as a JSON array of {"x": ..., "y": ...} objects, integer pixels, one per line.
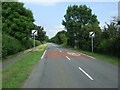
[
  {"x": 92, "y": 35},
  {"x": 34, "y": 33}
]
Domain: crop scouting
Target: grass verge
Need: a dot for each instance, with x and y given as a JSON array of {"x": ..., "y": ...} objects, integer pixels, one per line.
[
  {"x": 15, "y": 74},
  {"x": 107, "y": 58},
  {"x": 11, "y": 56}
]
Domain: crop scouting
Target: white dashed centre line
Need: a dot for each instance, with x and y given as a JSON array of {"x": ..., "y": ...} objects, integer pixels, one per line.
[
  {"x": 68, "y": 58},
  {"x": 86, "y": 73}
]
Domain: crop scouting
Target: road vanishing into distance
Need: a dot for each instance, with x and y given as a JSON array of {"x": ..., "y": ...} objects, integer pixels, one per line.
[{"x": 63, "y": 68}]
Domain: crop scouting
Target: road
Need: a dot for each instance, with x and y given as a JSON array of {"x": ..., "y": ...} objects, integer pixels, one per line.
[{"x": 63, "y": 68}]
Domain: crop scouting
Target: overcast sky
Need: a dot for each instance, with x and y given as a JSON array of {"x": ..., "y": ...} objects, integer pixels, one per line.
[{"x": 50, "y": 14}]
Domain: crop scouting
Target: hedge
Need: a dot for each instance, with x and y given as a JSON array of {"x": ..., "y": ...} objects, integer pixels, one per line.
[{"x": 10, "y": 45}]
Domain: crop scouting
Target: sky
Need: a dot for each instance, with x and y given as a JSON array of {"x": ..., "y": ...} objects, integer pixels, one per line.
[{"x": 50, "y": 14}]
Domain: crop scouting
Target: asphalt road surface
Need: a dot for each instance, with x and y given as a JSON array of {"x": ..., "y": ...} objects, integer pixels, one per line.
[{"x": 63, "y": 68}]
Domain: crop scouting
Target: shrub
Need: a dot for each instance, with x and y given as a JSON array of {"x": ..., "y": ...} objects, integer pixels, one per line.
[
  {"x": 27, "y": 43},
  {"x": 37, "y": 42},
  {"x": 30, "y": 43},
  {"x": 10, "y": 45},
  {"x": 110, "y": 46}
]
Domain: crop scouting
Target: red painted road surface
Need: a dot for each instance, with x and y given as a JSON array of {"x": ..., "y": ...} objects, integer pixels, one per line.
[{"x": 63, "y": 54}]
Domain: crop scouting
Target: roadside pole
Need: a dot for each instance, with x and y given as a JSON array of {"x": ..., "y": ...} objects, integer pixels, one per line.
[
  {"x": 34, "y": 42},
  {"x": 92, "y": 35},
  {"x": 92, "y": 43},
  {"x": 34, "y": 33}
]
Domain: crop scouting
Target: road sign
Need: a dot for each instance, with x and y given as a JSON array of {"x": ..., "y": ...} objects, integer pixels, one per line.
[
  {"x": 34, "y": 32},
  {"x": 91, "y": 34}
]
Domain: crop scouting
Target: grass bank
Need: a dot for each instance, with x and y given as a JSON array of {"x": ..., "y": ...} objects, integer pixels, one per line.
[
  {"x": 15, "y": 74},
  {"x": 107, "y": 58},
  {"x": 11, "y": 56}
]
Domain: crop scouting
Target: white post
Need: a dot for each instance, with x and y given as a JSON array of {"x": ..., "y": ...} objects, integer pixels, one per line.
[
  {"x": 92, "y": 43},
  {"x": 34, "y": 42}
]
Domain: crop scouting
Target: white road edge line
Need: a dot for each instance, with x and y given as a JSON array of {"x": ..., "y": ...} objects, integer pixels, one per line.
[
  {"x": 86, "y": 73},
  {"x": 43, "y": 54},
  {"x": 88, "y": 56},
  {"x": 68, "y": 58}
]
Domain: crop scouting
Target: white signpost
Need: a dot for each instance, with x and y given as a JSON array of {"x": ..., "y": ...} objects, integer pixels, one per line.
[
  {"x": 34, "y": 33},
  {"x": 92, "y": 35}
]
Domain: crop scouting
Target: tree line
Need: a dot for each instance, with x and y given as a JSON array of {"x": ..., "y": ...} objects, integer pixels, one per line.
[
  {"x": 17, "y": 24},
  {"x": 78, "y": 22}
]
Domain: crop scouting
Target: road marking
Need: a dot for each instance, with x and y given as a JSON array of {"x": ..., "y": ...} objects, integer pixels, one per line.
[
  {"x": 43, "y": 54},
  {"x": 88, "y": 55},
  {"x": 68, "y": 58},
  {"x": 60, "y": 51},
  {"x": 73, "y": 54},
  {"x": 86, "y": 73}
]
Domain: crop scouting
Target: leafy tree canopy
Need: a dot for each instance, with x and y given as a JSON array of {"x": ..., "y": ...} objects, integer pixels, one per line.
[{"x": 17, "y": 21}]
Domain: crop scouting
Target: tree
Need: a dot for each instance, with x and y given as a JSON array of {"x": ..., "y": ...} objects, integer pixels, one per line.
[
  {"x": 77, "y": 20},
  {"x": 41, "y": 34},
  {"x": 60, "y": 37},
  {"x": 110, "y": 41},
  {"x": 17, "y": 21}
]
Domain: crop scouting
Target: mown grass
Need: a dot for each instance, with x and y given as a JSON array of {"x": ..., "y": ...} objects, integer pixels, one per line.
[
  {"x": 107, "y": 58},
  {"x": 15, "y": 74},
  {"x": 11, "y": 56}
]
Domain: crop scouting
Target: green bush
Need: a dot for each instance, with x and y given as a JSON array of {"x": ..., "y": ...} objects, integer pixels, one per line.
[
  {"x": 27, "y": 43},
  {"x": 37, "y": 43},
  {"x": 110, "y": 46},
  {"x": 30, "y": 43},
  {"x": 10, "y": 45}
]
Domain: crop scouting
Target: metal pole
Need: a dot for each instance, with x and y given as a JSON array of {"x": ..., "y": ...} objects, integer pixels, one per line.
[
  {"x": 92, "y": 43},
  {"x": 34, "y": 42}
]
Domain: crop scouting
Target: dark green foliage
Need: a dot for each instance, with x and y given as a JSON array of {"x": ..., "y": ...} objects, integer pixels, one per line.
[
  {"x": 17, "y": 21},
  {"x": 11, "y": 45},
  {"x": 17, "y": 24},
  {"x": 79, "y": 21},
  {"x": 41, "y": 34},
  {"x": 60, "y": 38},
  {"x": 37, "y": 42},
  {"x": 110, "y": 41}
]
